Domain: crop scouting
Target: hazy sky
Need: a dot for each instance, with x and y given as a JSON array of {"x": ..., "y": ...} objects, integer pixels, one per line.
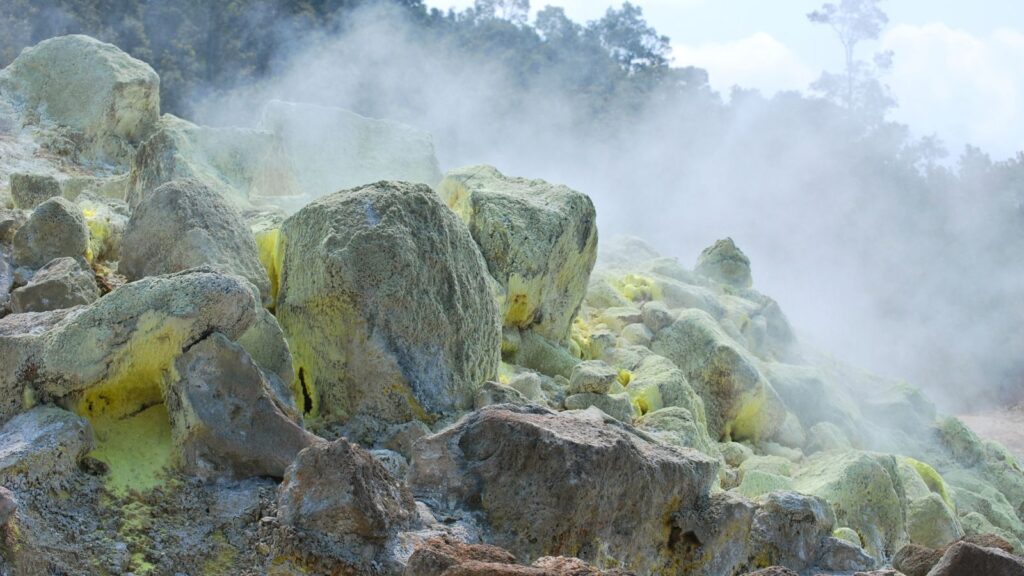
[{"x": 958, "y": 72}]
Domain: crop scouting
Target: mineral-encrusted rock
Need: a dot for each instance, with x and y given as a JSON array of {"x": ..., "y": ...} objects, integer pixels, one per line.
[
  {"x": 676, "y": 426},
  {"x": 385, "y": 301},
  {"x": 102, "y": 95},
  {"x": 494, "y": 393},
  {"x": 740, "y": 402},
  {"x": 55, "y": 229},
  {"x": 106, "y": 219},
  {"x": 333, "y": 149},
  {"x": 241, "y": 164},
  {"x": 618, "y": 406},
  {"x": 445, "y": 556},
  {"x": 184, "y": 224},
  {"x": 864, "y": 491},
  {"x": 8, "y": 506},
  {"x": 965, "y": 558},
  {"x": 31, "y": 190},
  {"x": 562, "y": 483},
  {"x": 265, "y": 343},
  {"x": 539, "y": 241},
  {"x": 914, "y": 560},
  {"x": 725, "y": 263},
  {"x": 62, "y": 283},
  {"x": 712, "y": 537},
  {"x": 225, "y": 420},
  {"x": 343, "y": 506},
  {"x": 592, "y": 376},
  {"x": 42, "y": 446}
]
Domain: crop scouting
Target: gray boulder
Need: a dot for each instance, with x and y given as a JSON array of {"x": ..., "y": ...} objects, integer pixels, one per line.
[
  {"x": 41, "y": 446},
  {"x": 31, "y": 190},
  {"x": 62, "y": 283},
  {"x": 964, "y": 558},
  {"x": 55, "y": 229},
  {"x": 788, "y": 529},
  {"x": 558, "y": 483},
  {"x": 332, "y": 149},
  {"x": 725, "y": 263},
  {"x": 241, "y": 164},
  {"x": 342, "y": 506},
  {"x": 539, "y": 241},
  {"x": 592, "y": 376},
  {"x": 385, "y": 301},
  {"x": 224, "y": 417},
  {"x": 618, "y": 406},
  {"x": 104, "y": 96},
  {"x": 184, "y": 224}
]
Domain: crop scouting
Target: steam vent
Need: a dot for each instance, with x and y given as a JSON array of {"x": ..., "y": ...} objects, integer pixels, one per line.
[{"x": 303, "y": 348}]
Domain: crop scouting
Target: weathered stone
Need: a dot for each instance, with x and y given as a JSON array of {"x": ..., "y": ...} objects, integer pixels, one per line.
[
  {"x": 657, "y": 316},
  {"x": 816, "y": 398},
  {"x": 657, "y": 383},
  {"x": 62, "y": 283},
  {"x": 239, "y": 163},
  {"x": 265, "y": 343},
  {"x": 94, "y": 89},
  {"x": 711, "y": 538},
  {"x": 965, "y": 558},
  {"x": 55, "y": 229},
  {"x": 42, "y": 446},
  {"x": 333, "y": 149},
  {"x": 740, "y": 402},
  {"x": 107, "y": 219},
  {"x": 8, "y": 506},
  {"x": 493, "y": 393},
  {"x": 618, "y": 406},
  {"x": 184, "y": 224},
  {"x": 224, "y": 417},
  {"x": 725, "y": 263},
  {"x": 914, "y": 560},
  {"x": 843, "y": 556},
  {"x": 788, "y": 528},
  {"x": 445, "y": 556},
  {"x": 676, "y": 426},
  {"x": 772, "y": 571},
  {"x": 539, "y": 241},
  {"x": 552, "y": 483},
  {"x": 343, "y": 505},
  {"x": 592, "y": 376},
  {"x": 385, "y": 301},
  {"x": 31, "y": 190}
]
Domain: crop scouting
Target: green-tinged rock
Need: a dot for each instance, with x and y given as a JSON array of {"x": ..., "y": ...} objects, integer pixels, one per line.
[
  {"x": 740, "y": 402},
  {"x": 618, "y": 406},
  {"x": 385, "y": 301},
  {"x": 657, "y": 383},
  {"x": 592, "y": 376},
  {"x": 31, "y": 190},
  {"x": 771, "y": 464},
  {"x": 847, "y": 534},
  {"x": 735, "y": 453},
  {"x": 55, "y": 229},
  {"x": 826, "y": 436},
  {"x": 725, "y": 263},
  {"x": 931, "y": 523},
  {"x": 539, "y": 241},
  {"x": 862, "y": 488},
  {"x": 676, "y": 426},
  {"x": 974, "y": 524},
  {"x": 757, "y": 483}
]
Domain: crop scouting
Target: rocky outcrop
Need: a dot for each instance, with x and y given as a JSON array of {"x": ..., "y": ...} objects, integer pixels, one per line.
[
  {"x": 62, "y": 283},
  {"x": 725, "y": 263},
  {"x": 967, "y": 558},
  {"x": 341, "y": 506},
  {"x": 570, "y": 483},
  {"x": 55, "y": 229},
  {"x": 184, "y": 224},
  {"x": 243, "y": 165},
  {"x": 332, "y": 149},
  {"x": 385, "y": 302},
  {"x": 102, "y": 96},
  {"x": 539, "y": 241},
  {"x": 225, "y": 420},
  {"x": 31, "y": 190}
]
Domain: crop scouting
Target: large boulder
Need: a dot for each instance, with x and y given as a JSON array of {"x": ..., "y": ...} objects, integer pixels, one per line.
[
  {"x": 740, "y": 402},
  {"x": 725, "y": 263},
  {"x": 242, "y": 164},
  {"x": 30, "y": 190},
  {"x": 385, "y": 301},
  {"x": 333, "y": 149},
  {"x": 42, "y": 446},
  {"x": 55, "y": 229},
  {"x": 184, "y": 224},
  {"x": 102, "y": 95},
  {"x": 539, "y": 241},
  {"x": 964, "y": 558},
  {"x": 62, "y": 283},
  {"x": 341, "y": 505},
  {"x": 551, "y": 483},
  {"x": 225, "y": 420}
]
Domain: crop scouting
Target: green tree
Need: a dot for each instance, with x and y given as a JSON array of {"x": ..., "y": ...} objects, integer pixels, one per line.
[{"x": 630, "y": 41}]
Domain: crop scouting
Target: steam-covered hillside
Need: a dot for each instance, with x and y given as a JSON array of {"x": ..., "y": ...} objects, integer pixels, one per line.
[{"x": 302, "y": 348}]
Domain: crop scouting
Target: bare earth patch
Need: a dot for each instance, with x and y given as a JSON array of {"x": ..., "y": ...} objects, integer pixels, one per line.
[{"x": 1005, "y": 425}]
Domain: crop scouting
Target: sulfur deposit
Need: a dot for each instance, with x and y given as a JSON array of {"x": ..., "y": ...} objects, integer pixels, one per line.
[{"x": 300, "y": 349}]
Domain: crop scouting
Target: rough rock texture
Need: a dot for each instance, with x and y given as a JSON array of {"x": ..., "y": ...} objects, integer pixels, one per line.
[
  {"x": 343, "y": 505},
  {"x": 184, "y": 224},
  {"x": 676, "y": 426},
  {"x": 106, "y": 219},
  {"x": 101, "y": 94},
  {"x": 539, "y": 241},
  {"x": 62, "y": 283},
  {"x": 224, "y": 417},
  {"x": 31, "y": 190},
  {"x": 265, "y": 343},
  {"x": 725, "y": 263},
  {"x": 41, "y": 446},
  {"x": 964, "y": 558},
  {"x": 772, "y": 571},
  {"x": 914, "y": 560},
  {"x": 788, "y": 529},
  {"x": 712, "y": 537},
  {"x": 333, "y": 149},
  {"x": 740, "y": 402},
  {"x": 241, "y": 164},
  {"x": 618, "y": 406},
  {"x": 570, "y": 483},
  {"x": 445, "y": 556},
  {"x": 55, "y": 229},
  {"x": 491, "y": 393},
  {"x": 592, "y": 376},
  {"x": 385, "y": 301}
]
